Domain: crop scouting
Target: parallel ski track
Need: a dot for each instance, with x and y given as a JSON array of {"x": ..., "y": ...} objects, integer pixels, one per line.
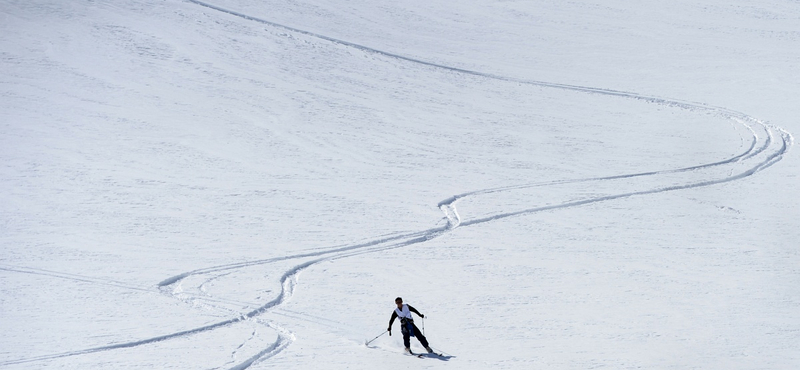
[{"x": 774, "y": 146}]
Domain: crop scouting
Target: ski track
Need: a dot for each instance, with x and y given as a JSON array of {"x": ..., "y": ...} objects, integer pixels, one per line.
[
  {"x": 73, "y": 277},
  {"x": 770, "y": 150}
]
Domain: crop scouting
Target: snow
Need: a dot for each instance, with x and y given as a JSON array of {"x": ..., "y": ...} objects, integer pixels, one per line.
[{"x": 241, "y": 184}]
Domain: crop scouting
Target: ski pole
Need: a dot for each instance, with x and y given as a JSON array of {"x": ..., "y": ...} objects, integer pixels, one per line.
[
  {"x": 366, "y": 343},
  {"x": 423, "y": 326}
]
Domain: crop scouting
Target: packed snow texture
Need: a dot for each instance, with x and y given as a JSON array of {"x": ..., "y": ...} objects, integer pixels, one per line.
[{"x": 248, "y": 184}]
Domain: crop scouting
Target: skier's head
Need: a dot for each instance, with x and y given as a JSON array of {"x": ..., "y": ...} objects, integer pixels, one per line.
[{"x": 399, "y": 301}]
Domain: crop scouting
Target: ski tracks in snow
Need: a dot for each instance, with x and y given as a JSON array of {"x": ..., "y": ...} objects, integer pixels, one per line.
[{"x": 763, "y": 146}]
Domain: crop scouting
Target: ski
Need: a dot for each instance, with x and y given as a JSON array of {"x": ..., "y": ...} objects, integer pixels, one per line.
[{"x": 423, "y": 355}]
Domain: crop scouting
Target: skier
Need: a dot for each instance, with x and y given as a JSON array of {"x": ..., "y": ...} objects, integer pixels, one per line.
[{"x": 407, "y": 327}]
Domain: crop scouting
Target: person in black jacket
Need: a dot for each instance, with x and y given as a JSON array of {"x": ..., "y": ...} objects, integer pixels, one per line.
[{"x": 407, "y": 327}]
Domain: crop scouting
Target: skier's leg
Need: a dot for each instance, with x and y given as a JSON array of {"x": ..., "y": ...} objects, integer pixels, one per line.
[
  {"x": 420, "y": 337},
  {"x": 406, "y": 339}
]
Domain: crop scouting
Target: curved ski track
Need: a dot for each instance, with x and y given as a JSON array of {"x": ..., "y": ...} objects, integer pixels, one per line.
[{"x": 768, "y": 144}]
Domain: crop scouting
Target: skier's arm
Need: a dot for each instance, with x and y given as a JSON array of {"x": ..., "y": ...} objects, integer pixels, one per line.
[
  {"x": 414, "y": 310},
  {"x": 391, "y": 321}
]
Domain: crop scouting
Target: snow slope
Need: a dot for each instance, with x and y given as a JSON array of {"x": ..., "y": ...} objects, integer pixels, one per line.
[{"x": 248, "y": 184}]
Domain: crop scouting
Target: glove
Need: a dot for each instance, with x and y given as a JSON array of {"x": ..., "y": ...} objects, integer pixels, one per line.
[
  {"x": 390, "y": 332},
  {"x": 422, "y": 316}
]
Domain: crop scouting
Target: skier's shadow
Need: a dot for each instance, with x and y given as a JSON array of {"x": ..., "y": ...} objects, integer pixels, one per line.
[{"x": 443, "y": 357}]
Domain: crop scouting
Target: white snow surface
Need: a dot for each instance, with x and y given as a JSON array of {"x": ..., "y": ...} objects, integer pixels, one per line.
[{"x": 248, "y": 184}]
